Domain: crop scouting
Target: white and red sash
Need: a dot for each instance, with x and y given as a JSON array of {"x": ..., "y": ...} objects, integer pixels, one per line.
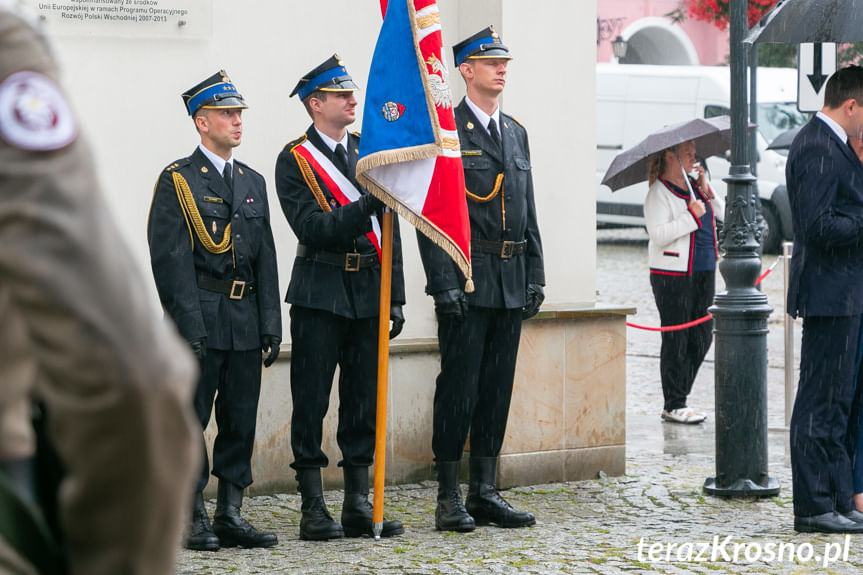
[{"x": 342, "y": 189}]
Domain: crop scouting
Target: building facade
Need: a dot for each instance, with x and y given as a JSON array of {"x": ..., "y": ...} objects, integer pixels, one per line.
[{"x": 652, "y": 37}]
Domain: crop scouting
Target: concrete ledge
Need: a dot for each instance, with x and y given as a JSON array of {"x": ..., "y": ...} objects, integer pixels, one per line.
[
  {"x": 567, "y": 417},
  {"x": 560, "y": 465}
]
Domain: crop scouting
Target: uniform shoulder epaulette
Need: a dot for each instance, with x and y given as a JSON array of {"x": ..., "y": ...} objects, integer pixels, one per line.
[
  {"x": 356, "y": 133},
  {"x": 178, "y": 164},
  {"x": 247, "y": 167},
  {"x": 514, "y": 120},
  {"x": 294, "y": 143}
]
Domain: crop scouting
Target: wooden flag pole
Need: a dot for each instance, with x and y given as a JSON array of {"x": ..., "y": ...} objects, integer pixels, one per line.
[{"x": 383, "y": 371}]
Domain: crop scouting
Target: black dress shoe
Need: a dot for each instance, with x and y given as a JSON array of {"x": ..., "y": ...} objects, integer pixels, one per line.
[
  {"x": 830, "y": 522},
  {"x": 854, "y": 516}
]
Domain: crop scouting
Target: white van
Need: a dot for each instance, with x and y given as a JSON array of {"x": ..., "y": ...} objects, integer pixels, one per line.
[{"x": 634, "y": 100}]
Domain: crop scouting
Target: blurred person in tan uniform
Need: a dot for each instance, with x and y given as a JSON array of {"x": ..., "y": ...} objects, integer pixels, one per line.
[{"x": 82, "y": 335}]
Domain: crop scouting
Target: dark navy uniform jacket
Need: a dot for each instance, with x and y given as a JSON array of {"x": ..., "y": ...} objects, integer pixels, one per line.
[
  {"x": 317, "y": 285},
  {"x": 825, "y": 187},
  {"x": 507, "y": 214},
  {"x": 178, "y": 256}
]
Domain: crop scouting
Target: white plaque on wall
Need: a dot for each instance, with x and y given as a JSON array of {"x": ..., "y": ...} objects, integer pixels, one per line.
[{"x": 128, "y": 18}]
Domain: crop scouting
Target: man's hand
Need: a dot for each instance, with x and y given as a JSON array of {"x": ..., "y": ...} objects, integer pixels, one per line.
[
  {"x": 199, "y": 347},
  {"x": 398, "y": 319},
  {"x": 270, "y": 344},
  {"x": 451, "y": 302},
  {"x": 370, "y": 204},
  {"x": 533, "y": 299}
]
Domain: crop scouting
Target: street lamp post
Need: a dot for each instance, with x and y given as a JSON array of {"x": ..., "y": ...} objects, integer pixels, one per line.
[{"x": 740, "y": 313}]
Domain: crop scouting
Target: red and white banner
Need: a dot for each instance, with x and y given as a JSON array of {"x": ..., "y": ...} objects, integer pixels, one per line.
[{"x": 409, "y": 154}]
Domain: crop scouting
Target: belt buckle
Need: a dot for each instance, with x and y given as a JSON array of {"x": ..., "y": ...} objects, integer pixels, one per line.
[
  {"x": 234, "y": 286},
  {"x": 352, "y": 262},
  {"x": 506, "y": 250}
]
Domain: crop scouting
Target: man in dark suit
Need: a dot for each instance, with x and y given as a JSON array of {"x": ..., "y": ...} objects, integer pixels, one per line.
[
  {"x": 214, "y": 261},
  {"x": 334, "y": 295},
  {"x": 479, "y": 332},
  {"x": 825, "y": 186}
]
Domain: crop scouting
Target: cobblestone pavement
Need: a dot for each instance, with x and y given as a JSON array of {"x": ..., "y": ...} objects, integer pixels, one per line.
[{"x": 605, "y": 526}]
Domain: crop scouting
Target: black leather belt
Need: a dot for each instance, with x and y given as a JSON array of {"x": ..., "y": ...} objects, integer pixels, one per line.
[
  {"x": 234, "y": 289},
  {"x": 504, "y": 250},
  {"x": 348, "y": 261}
]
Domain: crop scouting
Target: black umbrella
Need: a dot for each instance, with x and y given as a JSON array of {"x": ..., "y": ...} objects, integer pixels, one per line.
[
  {"x": 783, "y": 140},
  {"x": 798, "y": 21},
  {"x": 711, "y": 136}
]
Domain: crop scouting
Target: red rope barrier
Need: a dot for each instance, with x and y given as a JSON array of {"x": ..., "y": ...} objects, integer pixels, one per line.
[
  {"x": 700, "y": 320},
  {"x": 686, "y": 325}
]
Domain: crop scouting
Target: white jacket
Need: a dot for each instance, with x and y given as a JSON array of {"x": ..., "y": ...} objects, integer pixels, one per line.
[{"x": 671, "y": 225}]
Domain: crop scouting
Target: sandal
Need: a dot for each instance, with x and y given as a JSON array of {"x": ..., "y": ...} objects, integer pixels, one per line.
[{"x": 683, "y": 415}]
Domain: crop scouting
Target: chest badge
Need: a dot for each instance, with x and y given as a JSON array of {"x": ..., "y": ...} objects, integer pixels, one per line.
[{"x": 214, "y": 227}]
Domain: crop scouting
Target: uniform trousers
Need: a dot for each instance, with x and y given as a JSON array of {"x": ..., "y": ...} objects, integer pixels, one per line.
[
  {"x": 474, "y": 388},
  {"x": 320, "y": 341},
  {"x": 820, "y": 440},
  {"x": 236, "y": 376},
  {"x": 681, "y": 299}
]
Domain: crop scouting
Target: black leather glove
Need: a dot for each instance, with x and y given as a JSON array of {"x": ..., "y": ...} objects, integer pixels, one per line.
[
  {"x": 370, "y": 204},
  {"x": 451, "y": 302},
  {"x": 270, "y": 344},
  {"x": 534, "y": 298},
  {"x": 199, "y": 347},
  {"x": 398, "y": 319}
]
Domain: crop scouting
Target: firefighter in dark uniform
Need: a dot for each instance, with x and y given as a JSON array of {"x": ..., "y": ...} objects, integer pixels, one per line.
[
  {"x": 214, "y": 261},
  {"x": 479, "y": 332},
  {"x": 334, "y": 295}
]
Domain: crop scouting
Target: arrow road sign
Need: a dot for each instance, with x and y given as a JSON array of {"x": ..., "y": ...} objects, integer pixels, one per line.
[{"x": 815, "y": 63}]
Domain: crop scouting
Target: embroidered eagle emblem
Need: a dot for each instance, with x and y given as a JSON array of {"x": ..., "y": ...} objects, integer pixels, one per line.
[{"x": 439, "y": 82}]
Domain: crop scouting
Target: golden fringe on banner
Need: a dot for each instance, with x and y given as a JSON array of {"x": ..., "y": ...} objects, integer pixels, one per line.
[
  {"x": 385, "y": 158},
  {"x": 430, "y": 231}
]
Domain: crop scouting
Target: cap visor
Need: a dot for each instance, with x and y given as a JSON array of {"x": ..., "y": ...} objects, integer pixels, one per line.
[
  {"x": 343, "y": 86},
  {"x": 493, "y": 53},
  {"x": 226, "y": 103}
]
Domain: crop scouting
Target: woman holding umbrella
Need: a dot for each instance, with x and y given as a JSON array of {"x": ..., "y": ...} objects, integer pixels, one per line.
[{"x": 680, "y": 213}]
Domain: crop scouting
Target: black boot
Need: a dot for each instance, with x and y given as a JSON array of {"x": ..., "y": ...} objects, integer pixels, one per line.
[
  {"x": 485, "y": 503},
  {"x": 357, "y": 511},
  {"x": 316, "y": 523},
  {"x": 450, "y": 514},
  {"x": 232, "y": 529},
  {"x": 201, "y": 536}
]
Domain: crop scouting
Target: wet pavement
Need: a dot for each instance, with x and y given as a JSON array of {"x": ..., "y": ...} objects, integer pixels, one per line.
[{"x": 654, "y": 519}]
